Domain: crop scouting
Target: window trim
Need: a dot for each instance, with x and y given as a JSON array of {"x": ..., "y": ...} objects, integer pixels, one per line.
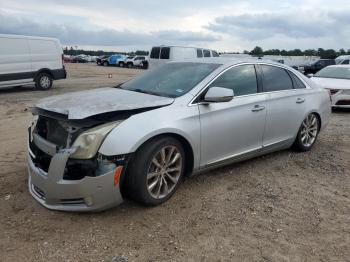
[
  {"x": 206, "y": 87},
  {"x": 193, "y": 101},
  {"x": 285, "y": 90}
]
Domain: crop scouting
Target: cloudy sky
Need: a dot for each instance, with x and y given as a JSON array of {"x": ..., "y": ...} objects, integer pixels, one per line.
[{"x": 225, "y": 25}]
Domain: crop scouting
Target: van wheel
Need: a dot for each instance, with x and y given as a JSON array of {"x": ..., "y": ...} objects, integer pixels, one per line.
[
  {"x": 156, "y": 171},
  {"x": 43, "y": 81}
]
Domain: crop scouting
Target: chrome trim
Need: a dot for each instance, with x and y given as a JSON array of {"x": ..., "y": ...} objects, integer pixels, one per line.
[
  {"x": 233, "y": 156},
  {"x": 44, "y": 145}
]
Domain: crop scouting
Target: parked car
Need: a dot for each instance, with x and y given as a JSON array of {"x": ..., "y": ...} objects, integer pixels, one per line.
[
  {"x": 343, "y": 60},
  {"x": 163, "y": 54},
  {"x": 317, "y": 66},
  {"x": 79, "y": 59},
  {"x": 100, "y": 60},
  {"x": 135, "y": 61},
  {"x": 89, "y": 150},
  {"x": 26, "y": 60},
  {"x": 116, "y": 59},
  {"x": 67, "y": 58},
  {"x": 337, "y": 80}
]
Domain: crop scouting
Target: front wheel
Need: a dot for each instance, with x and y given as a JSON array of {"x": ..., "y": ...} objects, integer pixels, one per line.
[
  {"x": 156, "y": 171},
  {"x": 43, "y": 81},
  {"x": 308, "y": 133}
]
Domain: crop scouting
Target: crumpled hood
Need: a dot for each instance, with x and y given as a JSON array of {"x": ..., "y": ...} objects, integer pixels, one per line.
[
  {"x": 79, "y": 105},
  {"x": 332, "y": 83}
]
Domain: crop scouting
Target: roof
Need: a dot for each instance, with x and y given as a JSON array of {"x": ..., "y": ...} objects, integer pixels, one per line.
[
  {"x": 228, "y": 61},
  {"x": 28, "y": 37}
]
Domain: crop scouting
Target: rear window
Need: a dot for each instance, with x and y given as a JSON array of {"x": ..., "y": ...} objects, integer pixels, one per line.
[
  {"x": 155, "y": 53},
  {"x": 206, "y": 53},
  {"x": 298, "y": 84},
  {"x": 275, "y": 79},
  {"x": 334, "y": 72},
  {"x": 165, "y": 53}
]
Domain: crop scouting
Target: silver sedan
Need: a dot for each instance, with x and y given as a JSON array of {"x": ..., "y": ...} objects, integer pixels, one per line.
[{"x": 89, "y": 150}]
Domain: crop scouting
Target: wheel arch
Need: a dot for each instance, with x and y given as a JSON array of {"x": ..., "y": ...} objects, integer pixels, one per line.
[
  {"x": 43, "y": 70},
  {"x": 184, "y": 142}
]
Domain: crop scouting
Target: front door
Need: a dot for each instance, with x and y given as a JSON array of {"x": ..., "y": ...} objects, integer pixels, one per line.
[{"x": 229, "y": 129}]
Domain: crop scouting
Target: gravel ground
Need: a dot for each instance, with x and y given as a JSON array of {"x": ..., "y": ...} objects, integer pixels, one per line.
[{"x": 285, "y": 206}]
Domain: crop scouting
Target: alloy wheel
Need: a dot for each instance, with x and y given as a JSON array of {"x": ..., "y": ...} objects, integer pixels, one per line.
[
  {"x": 309, "y": 130},
  {"x": 164, "y": 172}
]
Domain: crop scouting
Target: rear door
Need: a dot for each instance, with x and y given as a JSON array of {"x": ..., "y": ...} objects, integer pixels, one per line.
[
  {"x": 285, "y": 104},
  {"x": 233, "y": 128},
  {"x": 15, "y": 66}
]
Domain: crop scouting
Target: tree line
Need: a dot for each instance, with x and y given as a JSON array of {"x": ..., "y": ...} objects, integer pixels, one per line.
[{"x": 323, "y": 53}]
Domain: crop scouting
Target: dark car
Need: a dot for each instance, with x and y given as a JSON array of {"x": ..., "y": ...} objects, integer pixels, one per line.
[
  {"x": 101, "y": 60},
  {"x": 318, "y": 65},
  {"x": 78, "y": 59}
]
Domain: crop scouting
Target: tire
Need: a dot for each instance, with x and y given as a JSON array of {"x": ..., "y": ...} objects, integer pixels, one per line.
[
  {"x": 307, "y": 134},
  {"x": 43, "y": 81},
  {"x": 105, "y": 63},
  {"x": 121, "y": 64},
  {"x": 146, "y": 183},
  {"x": 129, "y": 65}
]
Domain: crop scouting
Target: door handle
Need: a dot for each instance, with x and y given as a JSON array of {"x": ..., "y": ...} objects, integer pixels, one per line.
[
  {"x": 257, "y": 108},
  {"x": 300, "y": 100}
]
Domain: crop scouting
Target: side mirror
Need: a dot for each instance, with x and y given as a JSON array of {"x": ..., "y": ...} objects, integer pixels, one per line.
[
  {"x": 218, "y": 94},
  {"x": 310, "y": 75}
]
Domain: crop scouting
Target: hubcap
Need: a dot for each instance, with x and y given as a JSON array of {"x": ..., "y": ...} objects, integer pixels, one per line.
[
  {"x": 309, "y": 130},
  {"x": 164, "y": 172},
  {"x": 45, "y": 81}
]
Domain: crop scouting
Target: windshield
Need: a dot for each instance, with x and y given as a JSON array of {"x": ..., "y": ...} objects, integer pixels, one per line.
[
  {"x": 334, "y": 72},
  {"x": 170, "y": 80}
]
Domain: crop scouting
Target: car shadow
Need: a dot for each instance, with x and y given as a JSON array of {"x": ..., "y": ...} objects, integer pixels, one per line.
[{"x": 17, "y": 89}]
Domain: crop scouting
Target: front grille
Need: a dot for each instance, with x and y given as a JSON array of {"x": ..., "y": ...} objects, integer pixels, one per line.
[
  {"x": 52, "y": 131},
  {"x": 41, "y": 160},
  {"x": 74, "y": 201}
]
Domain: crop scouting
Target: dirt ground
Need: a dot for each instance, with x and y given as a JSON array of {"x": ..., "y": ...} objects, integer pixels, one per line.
[{"x": 285, "y": 206}]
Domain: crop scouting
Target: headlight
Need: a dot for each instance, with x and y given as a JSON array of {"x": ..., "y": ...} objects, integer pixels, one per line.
[{"x": 88, "y": 142}]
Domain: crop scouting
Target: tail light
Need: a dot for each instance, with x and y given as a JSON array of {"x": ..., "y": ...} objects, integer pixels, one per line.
[{"x": 329, "y": 94}]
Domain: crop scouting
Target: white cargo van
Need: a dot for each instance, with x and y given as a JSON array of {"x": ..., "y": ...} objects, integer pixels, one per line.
[
  {"x": 25, "y": 60},
  {"x": 163, "y": 54}
]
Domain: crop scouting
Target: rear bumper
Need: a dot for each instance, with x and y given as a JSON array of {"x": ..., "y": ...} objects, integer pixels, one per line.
[
  {"x": 54, "y": 192},
  {"x": 59, "y": 73}
]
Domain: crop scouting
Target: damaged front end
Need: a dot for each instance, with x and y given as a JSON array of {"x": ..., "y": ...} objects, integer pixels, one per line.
[{"x": 66, "y": 172}]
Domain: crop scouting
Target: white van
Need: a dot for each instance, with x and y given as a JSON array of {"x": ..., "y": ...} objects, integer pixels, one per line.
[
  {"x": 163, "y": 54},
  {"x": 26, "y": 60}
]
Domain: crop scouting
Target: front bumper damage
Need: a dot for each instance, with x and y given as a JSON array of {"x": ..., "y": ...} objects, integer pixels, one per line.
[{"x": 55, "y": 192}]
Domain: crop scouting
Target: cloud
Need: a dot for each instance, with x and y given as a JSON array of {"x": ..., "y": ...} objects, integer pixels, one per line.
[
  {"x": 74, "y": 35},
  {"x": 302, "y": 24}
]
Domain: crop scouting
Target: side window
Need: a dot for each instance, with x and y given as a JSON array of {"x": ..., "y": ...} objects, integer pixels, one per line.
[
  {"x": 345, "y": 62},
  {"x": 215, "y": 54},
  {"x": 275, "y": 79},
  {"x": 155, "y": 53},
  {"x": 199, "y": 53},
  {"x": 206, "y": 53},
  {"x": 165, "y": 53},
  {"x": 242, "y": 79},
  {"x": 298, "y": 84}
]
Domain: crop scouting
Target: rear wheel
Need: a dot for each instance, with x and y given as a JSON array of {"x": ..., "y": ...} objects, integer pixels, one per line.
[
  {"x": 105, "y": 63},
  {"x": 121, "y": 64},
  {"x": 43, "y": 81},
  {"x": 156, "y": 171},
  {"x": 308, "y": 133}
]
